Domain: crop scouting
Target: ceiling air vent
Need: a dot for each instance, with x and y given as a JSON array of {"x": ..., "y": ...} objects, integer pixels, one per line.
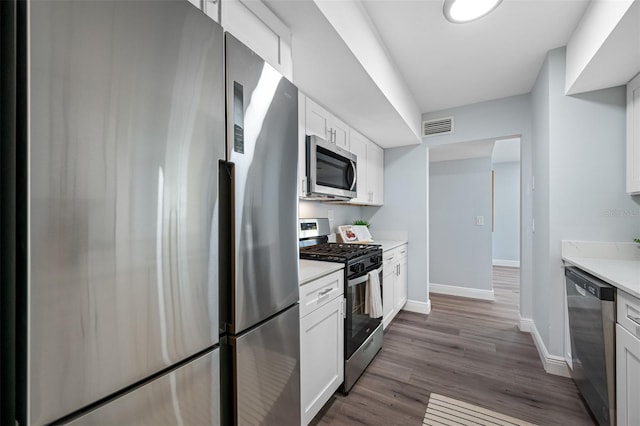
[{"x": 439, "y": 126}]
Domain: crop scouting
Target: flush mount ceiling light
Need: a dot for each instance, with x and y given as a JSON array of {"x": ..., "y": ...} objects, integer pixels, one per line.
[{"x": 460, "y": 11}]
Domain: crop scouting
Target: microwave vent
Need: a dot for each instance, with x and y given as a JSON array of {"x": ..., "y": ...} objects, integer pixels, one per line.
[{"x": 439, "y": 126}]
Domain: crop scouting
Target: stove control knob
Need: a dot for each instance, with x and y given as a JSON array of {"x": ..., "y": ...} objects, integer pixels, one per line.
[{"x": 355, "y": 268}]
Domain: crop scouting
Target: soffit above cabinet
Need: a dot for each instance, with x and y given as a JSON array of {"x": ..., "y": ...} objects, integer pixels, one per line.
[
  {"x": 604, "y": 50},
  {"x": 327, "y": 70}
]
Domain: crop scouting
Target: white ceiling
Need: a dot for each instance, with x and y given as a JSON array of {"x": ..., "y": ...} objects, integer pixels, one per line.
[
  {"x": 448, "y": 65},
  {"x": 500, "y": 151}
]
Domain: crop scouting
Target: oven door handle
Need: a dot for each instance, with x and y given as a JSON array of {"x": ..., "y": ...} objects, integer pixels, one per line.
[{"x": 362, "y": 279}]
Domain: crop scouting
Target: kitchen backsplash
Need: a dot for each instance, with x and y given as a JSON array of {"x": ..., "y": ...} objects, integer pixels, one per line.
[{"x": 336, "y": 213}]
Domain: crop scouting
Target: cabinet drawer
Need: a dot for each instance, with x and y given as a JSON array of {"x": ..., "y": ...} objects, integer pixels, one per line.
[
  {"x": 394, "y": 255},
  {"x": 401, "y": 252},
  {"x": 320, "y": 292},
  {"x": 629, "y": 313},
  {"x": 389, "y": 257}
]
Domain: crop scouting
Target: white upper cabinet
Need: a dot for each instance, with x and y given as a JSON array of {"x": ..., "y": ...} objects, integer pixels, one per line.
[
  {"x": 359, "y": 145},
  {"x": 375, "y": 174},
  {"x": 340, "y": 133},
  {"x": 633, "y": 136},
  {"x": 210, "y": 7},
  {"x": 316, "y": 120},
  {"x": 370, "y": 166},
  {"x": 324, "y": 124},
  {"x": 255, "y": 25}
]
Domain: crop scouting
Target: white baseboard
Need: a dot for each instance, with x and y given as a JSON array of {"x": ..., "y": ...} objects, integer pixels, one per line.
[
  {"x": 508, "y": 263},
  {"x": 418, "y": 306},
  {"x": 526, "y": 324},
  {"x": 452, "y": 290},
  {"x": 552, "y": 364}
]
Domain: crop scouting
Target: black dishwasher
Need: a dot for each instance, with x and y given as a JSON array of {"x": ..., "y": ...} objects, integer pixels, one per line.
[{"x": 592, "y": 306}]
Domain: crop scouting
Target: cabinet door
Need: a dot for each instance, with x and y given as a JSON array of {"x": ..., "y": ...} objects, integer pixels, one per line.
[
  {"x": 340, "y": 133},
  {"x": 321, "y": 357},
  {"x": 388, "y": 293},
  {"x": 401, "y": 285},
  {"x": 627, "y": 377},
  {"x": 375, "y": 174},
  {"x": 633, "y": 136},
  {"x": 210, "y": 7},
  {"x": 318, "y": 120},
  {"x": 359, "y": 148}
]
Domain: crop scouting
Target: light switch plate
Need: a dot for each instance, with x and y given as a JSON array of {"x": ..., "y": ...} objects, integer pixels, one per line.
[{"x": 479, "y": 220}]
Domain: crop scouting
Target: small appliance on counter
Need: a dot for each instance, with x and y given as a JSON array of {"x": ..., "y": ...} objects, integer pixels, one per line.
[
  {"x": 362, "y": 329},
  {"x": 354, "y": 234}
]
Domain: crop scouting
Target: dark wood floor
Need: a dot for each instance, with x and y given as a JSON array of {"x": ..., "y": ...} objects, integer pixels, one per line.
[{"x": 466, "y": 349}]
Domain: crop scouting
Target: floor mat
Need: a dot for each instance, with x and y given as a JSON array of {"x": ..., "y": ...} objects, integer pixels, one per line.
[{"x": 443, "y": 410}]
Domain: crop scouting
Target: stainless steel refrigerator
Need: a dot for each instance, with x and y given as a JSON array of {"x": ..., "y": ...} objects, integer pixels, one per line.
[
  {"x": 259, "y": 285},
  {"x": 124, "y": 128}
]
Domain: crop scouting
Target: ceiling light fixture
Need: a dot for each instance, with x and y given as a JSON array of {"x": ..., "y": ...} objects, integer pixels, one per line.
[{"x": 460, "y": 11}]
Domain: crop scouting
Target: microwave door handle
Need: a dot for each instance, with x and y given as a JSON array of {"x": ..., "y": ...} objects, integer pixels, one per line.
[{"x": 355, "y": 175}]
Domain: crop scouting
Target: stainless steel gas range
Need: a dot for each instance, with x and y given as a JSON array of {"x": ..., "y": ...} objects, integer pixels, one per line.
[{"x": 362, "y": 333}]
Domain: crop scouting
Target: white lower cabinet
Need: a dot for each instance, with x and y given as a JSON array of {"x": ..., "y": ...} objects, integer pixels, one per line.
[
  {"x": 628, "y": 360},
  {"x": 388, "y": 290},
  {"x": 394, "y": 283},
  {"x": 321, "y": 342},
  {"x": 401, "y": 283}
]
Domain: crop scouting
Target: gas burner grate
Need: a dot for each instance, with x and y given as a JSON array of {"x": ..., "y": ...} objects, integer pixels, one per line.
[{"x": 337, "y": 251}]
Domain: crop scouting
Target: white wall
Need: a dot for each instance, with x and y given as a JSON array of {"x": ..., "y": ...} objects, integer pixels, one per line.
[
  {"x": 579, "y": 166},
  {"x": 540, "y": 133},
  {"x": 460, "y": 255},
  {"x": 499, "y": 119},
  {"x": 406, "y": 181},
  {"x": 506, "y": 211}
]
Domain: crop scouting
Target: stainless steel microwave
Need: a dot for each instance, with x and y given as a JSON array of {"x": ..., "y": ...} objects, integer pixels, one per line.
[{"x": 331, "y": 170}]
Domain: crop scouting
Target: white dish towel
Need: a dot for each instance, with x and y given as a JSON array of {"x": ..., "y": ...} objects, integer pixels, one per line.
[{"x": 372, "y": 297}]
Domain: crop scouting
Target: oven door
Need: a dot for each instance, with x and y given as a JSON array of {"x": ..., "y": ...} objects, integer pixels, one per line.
[
  {"x": 358, "y": 325},
  {"x": 331, "y": 170}
]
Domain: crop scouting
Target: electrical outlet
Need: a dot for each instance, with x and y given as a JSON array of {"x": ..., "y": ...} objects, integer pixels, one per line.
[{"x": 479, "y": 220}]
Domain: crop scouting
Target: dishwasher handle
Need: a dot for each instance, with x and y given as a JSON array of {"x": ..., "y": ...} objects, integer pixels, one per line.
[{"x": 592, "y": 285}]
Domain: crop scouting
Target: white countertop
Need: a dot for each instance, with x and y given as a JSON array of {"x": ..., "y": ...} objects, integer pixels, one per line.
[
  {"x": 312, "y": 269},
  {"x": 615, "y": 263},
  {"x": 389, "y": 244}
]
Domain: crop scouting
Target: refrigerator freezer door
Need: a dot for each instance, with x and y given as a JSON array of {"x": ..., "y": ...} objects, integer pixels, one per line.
[
  {"x": 189, "y": 395},
  {"x": 262, "y": 131},
  {"x": 126, "y": 105},
  {"x": 267, "y": 366}
]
